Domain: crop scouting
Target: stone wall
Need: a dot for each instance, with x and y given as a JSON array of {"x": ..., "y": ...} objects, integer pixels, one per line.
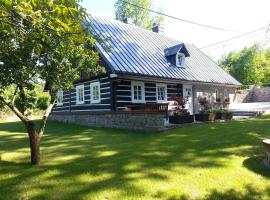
[
  {"x": 209, "y": 91},
  {"x": 252, "y": 95},
  {"x": 257, "y": 94},
  {"x": 143, "y": 121}
]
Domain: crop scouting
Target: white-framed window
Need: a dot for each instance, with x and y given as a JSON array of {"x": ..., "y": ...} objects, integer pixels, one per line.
[
  {"x": 217, "y": 95},
  {"x": 137, "y": 92},
  {"x": 161, "y": 91},
  {"x": 95, "y": 92},
  {"x": 180, "y": 60},
  {"x": 226, "y": 93},
  {"x": 59, "y": 97},
  {"x": 80, "y": 94}
]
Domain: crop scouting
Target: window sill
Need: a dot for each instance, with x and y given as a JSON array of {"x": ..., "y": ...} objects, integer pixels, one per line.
[
  {"x": 163, "y": 101},
  {"x": 138, "y": 101},
  {"x": 95, "y": 102}
]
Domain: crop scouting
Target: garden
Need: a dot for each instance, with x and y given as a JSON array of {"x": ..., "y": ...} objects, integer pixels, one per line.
[{"x": 208, "y": 110}]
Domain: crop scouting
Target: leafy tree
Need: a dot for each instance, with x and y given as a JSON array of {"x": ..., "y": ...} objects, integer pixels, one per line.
[
  {"x": 250, "y": 65},
  {"x": 41, "y": 40},
  {"x": 140, "y": 17}
]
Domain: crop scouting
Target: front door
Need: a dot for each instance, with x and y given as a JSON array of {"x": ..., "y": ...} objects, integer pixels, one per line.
[{"x": 187, "y": 92}]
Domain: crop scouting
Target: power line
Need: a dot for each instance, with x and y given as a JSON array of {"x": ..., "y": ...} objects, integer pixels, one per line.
[
  {"x": 231, "y": 43},
  {"x": 233, "y": 38},
  {"x": 180, "y": 19}
]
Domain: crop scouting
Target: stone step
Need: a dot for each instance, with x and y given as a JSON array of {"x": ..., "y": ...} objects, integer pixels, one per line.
[{"x": 246, "y": 113}]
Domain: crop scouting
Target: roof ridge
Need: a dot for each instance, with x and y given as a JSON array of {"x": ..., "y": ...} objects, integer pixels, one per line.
[{"x": 134, "y": 26}]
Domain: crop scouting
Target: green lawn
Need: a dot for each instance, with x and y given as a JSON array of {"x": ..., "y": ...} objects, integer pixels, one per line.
[{"x": 211, "y": 161}]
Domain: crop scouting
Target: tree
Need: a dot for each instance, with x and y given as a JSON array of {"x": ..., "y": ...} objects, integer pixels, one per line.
[
  {"x": 42, "y": 40},
  {"x": 140, "y": 17},
  {"x": 250, "y": 65}
]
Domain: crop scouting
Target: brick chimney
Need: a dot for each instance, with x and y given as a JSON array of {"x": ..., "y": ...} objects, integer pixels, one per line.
[{"x": 158, "y": 28}]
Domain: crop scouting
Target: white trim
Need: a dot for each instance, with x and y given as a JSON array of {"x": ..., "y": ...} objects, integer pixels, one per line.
[
  {"x": 92, "y": 85},
  {"x": 70, "y": 111},
  {"x": 123, "y": 90},
  {"x": 94, "y": 110},
  {"x": 105, "y": 83},
  {"x": 226, "y": 94},
  {"x": 166, "y": 95},
  {"x": 136, "y": 83},
  {"x": 189, "y": 105},
  {"x": 79, "y": 87},
  {"x": 124, "y": 85},
  {"x": 217, "y": 94},
  {"x": 125, "y": 96},
  {"x": 175, "y": 81},
  {"x": 60, "y": 96},
  {"x": 75, "y": 105},
  {"x": 105, "y": 88},
  {"x": 105, "y": 98},
  {"x": 182, "y": 64},
  {"x": 104, "y": 93}
]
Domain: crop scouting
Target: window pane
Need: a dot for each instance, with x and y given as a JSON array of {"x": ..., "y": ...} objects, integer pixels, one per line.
[
  {"x": 161, "y": 93},
  {"x": 137, "y": 92}
]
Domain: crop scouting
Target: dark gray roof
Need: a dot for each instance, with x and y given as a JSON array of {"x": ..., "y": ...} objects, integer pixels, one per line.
[
  {"x": 175, "y": 49},
  {"x": 133, "y": 50}
]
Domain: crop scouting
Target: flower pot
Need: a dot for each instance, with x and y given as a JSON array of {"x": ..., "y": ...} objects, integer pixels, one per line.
[
  {"x": 223, "y": 116},
  {"x": 229, "y": 115},
  {"x": 226, "y": 116},
  {"x": 202, "y": 117},
  {"x": 218, "y": 116},
  {"x": 212, "y": 116},
  {"x": 181, "y": 119}
]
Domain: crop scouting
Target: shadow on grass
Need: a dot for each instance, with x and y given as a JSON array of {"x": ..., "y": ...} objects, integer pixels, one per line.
[
  {"x": 248, "y": 193},
  {"x": 256, "y": 165},
  {"x": 87, "y": 161}
]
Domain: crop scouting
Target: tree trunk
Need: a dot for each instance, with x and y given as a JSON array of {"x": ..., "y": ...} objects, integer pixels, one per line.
[{"x": 34, "y": 140}]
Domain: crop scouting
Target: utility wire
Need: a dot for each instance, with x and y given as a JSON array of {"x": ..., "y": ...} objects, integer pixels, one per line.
[
  {"x": 180, "y": 19},
  {"x": 233, "y": 38},
  {"x": 214, "y": 47}
]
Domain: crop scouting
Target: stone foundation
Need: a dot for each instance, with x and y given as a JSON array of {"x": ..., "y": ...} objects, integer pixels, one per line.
[{"x": 142, "y": 121}]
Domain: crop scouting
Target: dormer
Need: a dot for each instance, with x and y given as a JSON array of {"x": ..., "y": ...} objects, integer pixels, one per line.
[{"x": 176, "y": 55}]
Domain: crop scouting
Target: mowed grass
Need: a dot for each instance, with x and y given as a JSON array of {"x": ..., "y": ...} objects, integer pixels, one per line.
[{"x": 210, "y": 161}]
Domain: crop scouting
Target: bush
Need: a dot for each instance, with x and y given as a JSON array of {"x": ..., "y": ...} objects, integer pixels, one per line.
[{"x": 43, "y": 102}]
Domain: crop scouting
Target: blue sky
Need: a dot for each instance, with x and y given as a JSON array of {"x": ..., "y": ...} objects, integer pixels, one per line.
[{"x": 239, "y": 15}]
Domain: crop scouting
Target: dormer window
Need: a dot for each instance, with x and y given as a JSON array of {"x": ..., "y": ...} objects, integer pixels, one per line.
[
  {"x": 180, "y": 60},
  {"x": 176, "y": 55}
]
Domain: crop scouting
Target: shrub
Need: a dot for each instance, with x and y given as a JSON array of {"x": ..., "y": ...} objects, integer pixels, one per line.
[{"x": 43, "y": 102}]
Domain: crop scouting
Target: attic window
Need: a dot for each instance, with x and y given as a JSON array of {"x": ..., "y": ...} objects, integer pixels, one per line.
[{"x": 180, "y": 60}]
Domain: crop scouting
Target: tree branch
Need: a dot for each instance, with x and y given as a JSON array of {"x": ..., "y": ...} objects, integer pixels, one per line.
[
  {"x": 23, "y": 118},
  {"x": 23, "y": 98},
  {"x": 14, "y": 95},
  {"x": 46, "y": 115}
]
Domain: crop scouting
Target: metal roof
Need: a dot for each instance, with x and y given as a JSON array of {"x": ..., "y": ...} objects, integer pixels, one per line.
[
  {"x": 128, "y": 49},
  {"x": 175, "y": 49}
]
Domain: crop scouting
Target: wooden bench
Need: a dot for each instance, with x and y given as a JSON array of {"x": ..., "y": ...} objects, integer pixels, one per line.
[
  {"x": 149, "y": 107},
  {"x": 159, "y": 107}
]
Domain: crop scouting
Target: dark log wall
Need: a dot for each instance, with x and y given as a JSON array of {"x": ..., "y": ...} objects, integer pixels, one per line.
[
  {"x": 122, "y": 95},
  {"x": 69, "y": 103},
  {"x": 123, "y": 92}
]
